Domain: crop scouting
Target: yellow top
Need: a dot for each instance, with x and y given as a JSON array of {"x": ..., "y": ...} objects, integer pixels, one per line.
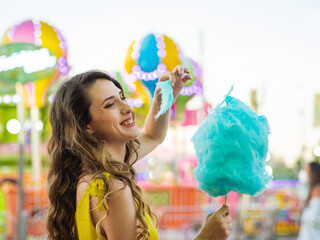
[{"x": 85, "y": 227}]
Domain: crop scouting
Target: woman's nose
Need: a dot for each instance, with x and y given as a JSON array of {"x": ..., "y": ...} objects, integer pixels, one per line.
[{"x": 126, "y": 109}]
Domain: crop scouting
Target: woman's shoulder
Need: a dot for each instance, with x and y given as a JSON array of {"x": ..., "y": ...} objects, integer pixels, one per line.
[
  {"x": 87, "y": 179},
  {"x": 82, "y": 186},
  {"x": 94, "y": 184},
  {"x": 316, "y": 191},
  {"x": 86, "y": 182}
]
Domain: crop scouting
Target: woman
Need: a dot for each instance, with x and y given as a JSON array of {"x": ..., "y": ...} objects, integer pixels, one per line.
[
  {"x": 92, "y": 184},
  {"x": 310, "y": 219}
]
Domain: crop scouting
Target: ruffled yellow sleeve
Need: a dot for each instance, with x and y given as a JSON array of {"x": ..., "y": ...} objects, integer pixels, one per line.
[
  {"x": 85, "y": 227},
  {"x": 97, "y": 189}
]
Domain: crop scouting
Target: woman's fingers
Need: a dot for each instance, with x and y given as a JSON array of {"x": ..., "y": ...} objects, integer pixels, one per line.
[
  {"x": 228, "y": 219},
  {"x": 229, "y": 226},
  {"x": 186, "y": 77},
  {"x": 224, "y": 211},
  {"x": 180, "y": 70},
  {"x": 179, "y": 76},
  {"x": 172, "y": 78},
  {"x": 227, "y": 234},
  {"x": 164, "y": 77}
]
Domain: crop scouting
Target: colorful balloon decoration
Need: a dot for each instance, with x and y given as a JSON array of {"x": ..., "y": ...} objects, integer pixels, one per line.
[
  {"x": 191, "y": 88},
  {"x": 48, "y": 38},
  {"x": 138, "y": 96},
  {"x": 153, "y": 55},
  {"x": 149, "y": 57}
]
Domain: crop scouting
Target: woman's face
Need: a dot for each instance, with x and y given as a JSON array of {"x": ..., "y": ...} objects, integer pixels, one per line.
[{"x": 110, "y": 112}]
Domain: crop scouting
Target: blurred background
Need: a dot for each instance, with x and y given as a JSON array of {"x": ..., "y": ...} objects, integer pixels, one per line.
[{"x": 268, "y": 50}]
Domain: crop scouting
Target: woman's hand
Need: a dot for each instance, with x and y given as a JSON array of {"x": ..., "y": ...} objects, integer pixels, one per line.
[
  {"x": 216, "y": 226},
  {"x": 179, "y": 76}
]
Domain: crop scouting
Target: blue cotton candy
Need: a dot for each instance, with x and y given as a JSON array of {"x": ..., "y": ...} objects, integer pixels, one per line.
[
  {"x": 231, "y": 146},
  {"x": 166, "y": 97}
]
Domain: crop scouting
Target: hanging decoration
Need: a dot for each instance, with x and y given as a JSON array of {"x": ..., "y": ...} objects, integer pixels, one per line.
[
  {"x": 40, "y": 58},
  {"x": 149, "y": 57}
]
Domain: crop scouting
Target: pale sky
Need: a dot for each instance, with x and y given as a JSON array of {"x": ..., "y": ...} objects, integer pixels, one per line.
[{"x": 272, "y": 46}]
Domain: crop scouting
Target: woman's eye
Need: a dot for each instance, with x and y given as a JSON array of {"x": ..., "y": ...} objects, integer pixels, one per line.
[
  {"x": 109, "y": 105},
  {"x": 123, "y": 98}
]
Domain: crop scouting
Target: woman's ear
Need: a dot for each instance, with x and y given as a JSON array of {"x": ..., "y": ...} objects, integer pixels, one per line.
[{"x": 89, "y": 129}]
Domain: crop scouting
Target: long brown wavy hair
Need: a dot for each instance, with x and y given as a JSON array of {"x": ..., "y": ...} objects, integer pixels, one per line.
[
  {"x": 314, "y": 179},
  {"x": 75, "y": 153}
]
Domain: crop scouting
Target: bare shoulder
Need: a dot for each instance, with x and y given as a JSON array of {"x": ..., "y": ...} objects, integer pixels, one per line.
[
  {"x": 316, "y": 191},
  {"x": 119, "y": 220},
  {"x": 82, "y": 186},
  {"x": 84, "y": 182}
]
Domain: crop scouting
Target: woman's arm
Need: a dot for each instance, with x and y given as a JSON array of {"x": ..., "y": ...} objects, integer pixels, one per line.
[{"x": 155, "y": 130}]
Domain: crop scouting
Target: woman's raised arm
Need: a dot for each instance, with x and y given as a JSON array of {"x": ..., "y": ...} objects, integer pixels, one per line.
[{"x": 155, "y": 130}]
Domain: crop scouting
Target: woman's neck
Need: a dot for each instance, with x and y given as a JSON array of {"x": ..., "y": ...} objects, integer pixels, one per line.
[{"x": 117, "y": 151}]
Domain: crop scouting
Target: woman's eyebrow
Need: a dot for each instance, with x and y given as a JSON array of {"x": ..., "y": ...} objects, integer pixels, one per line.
[
  {"x": 111, "y": 97},
  {"x": 108, "y": 98}
]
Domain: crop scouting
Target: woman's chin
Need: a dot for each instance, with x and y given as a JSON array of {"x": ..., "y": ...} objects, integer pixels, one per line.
[{"x": 133, "y": 133}]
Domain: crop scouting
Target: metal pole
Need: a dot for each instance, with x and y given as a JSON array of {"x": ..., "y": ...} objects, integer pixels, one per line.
[
  {"x": 35, "y": 146},
  {"x": 23, "y": 223},
  {"x": 202, "y": 113},
  {"x": 20, "y": 115}
]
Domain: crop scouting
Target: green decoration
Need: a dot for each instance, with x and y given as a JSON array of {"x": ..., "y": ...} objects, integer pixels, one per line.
[{"x": 18, "y": 73}]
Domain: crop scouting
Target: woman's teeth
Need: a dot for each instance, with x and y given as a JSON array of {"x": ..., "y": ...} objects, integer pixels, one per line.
[{"x": 128, "y": 122}]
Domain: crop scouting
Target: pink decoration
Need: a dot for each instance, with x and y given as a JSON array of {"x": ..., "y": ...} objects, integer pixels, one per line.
[
  {"x": 195, "y": 88},
  {"x": 37, "y": 42},
  {"x": 161, "y": 45},
  {"x": 138, "y": 102},
  {"x": 147, "y": 76},
  {"x": 162, "y": 53},
  {"x": 21, "y": 32},
  {"x": 159, "y": 38}
]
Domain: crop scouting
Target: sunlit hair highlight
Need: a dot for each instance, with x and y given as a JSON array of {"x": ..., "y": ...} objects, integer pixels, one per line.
[{"x": 75, "y": 153}]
